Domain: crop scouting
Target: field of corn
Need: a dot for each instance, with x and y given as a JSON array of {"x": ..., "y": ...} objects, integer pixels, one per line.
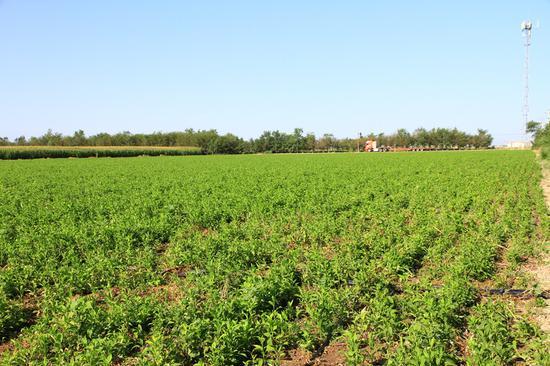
[
  {"x": 53, "y": 152},
  {"x": 270, "y": 259}
]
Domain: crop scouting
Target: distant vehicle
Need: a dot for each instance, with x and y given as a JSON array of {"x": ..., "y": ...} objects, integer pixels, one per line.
[{"x": 370, "y": 146}]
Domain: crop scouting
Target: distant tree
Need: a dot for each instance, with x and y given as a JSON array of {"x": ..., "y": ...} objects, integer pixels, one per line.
[
  {"x": 402, "y": 138},
  {"x": 78, "y": 139},
  {"x": 327, "y": 142},
  {"x": 309, "y": 142},
  {"x": 206, "y": 140},
  {"x": 533, "y": 127},
  {"x": 297, "y": 141},
  {"x": 51, "y": 138},
  {"x": 226, "y": 144},
  {"x": 458, "y": 138},
  {"x": 484, "y": 139},
  {"x": 346, "y": 144},
  {"x": 281, "y": 142},
  {"x": 420, "y": 137},
  {"x": 101, "y": 139},
  {"x": 21, "y": 140},
  {"x": 185, "y": 138},
  {"x": 540, "y": 135}
]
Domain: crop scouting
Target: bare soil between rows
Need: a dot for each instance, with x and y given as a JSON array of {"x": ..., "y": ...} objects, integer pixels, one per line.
[{"x": 540, "y": 268}]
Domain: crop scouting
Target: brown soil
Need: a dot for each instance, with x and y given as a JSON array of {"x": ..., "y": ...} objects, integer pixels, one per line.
[
  {"x": 461, "y": 344},
  {"x": 333, "y": 355},
  {"x": 8, "y": 346},
  {"x": 5, "y": 347},
  {"x": 540, "y": 268},
  {"x": 296, "y": 357},
  {"x": 30, "y": 307},
  {"x": 169, "y": 293},
  {"x": 180, "y": 271},
  {"x": 542, "y": 276}
]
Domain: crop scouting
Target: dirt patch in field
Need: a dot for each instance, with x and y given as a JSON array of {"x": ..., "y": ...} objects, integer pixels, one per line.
[
  {"x": 296, "y": 357},
  {"x": 5, "y": 347},
  {"x": 541, "y": 273},
  {"x": 333, "y": 354},
  {"x": 180, "y": 271},
  {"x": 30, "y": 314},
  {"x": 461, "y": 344},
  {"x": 169, "y": 293},
  {"x": 540, "y": 268}
]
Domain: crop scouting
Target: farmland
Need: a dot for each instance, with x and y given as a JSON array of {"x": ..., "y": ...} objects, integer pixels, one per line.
[
  {"x": 267, "y": 259},
  {"x": 35, "y": 152}
]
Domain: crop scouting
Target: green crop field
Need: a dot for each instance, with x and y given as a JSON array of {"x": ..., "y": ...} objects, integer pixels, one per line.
[{"x": 266, "y": 259}]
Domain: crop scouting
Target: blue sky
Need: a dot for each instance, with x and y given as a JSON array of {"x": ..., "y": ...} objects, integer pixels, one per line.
[{"x": 339, "y": 67}]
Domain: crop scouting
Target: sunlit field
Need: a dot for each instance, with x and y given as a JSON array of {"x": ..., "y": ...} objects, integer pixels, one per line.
[{"x": 259, "y": 259}]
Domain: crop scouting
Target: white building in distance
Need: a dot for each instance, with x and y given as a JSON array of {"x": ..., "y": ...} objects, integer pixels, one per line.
[{"x": 519, "y": 145}]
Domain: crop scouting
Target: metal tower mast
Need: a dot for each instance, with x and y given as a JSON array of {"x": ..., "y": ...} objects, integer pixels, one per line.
[{"x": 526, "y": 28}]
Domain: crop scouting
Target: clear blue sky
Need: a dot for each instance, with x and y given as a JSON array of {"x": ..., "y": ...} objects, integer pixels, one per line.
[{"x": 341, "y": 67}]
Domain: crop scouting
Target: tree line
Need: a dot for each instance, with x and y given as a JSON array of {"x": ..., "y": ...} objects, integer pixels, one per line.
[{"x": 211, "y": 142}]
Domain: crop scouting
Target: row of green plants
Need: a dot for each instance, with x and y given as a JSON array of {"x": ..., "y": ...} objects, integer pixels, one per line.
[
  {"x": 37, "y": 152},
  {"x": 231, "y": 260}
]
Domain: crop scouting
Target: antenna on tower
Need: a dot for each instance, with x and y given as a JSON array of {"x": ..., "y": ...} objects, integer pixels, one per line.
[{"x": 526, "y": 28}]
